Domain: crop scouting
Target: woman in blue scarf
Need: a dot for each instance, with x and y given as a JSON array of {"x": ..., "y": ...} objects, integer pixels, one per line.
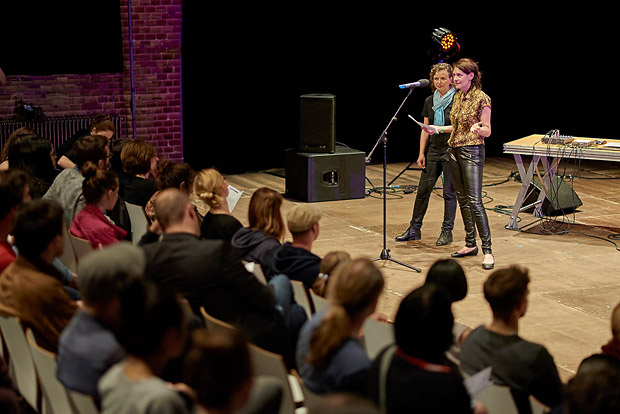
[{"x": 433, "y": 158}]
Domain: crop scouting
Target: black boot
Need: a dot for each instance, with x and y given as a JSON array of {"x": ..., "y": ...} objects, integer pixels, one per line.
[
  {"x": 444, "y": 238},
  {"x": 412, "y": 233}
]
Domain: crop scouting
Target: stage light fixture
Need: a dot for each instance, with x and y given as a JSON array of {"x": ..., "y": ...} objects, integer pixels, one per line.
[{"x": 446, "y": 43}]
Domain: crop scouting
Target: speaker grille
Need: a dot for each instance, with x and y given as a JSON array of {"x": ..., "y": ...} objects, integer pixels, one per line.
[{"x": 317, "y": 123}]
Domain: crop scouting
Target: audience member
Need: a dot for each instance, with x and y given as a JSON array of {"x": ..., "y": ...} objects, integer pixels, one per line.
[
  {"x": 527, "y": 368},
  {"x": 67, "y": 187},
  {"x": 13, "y": 190},
  {"x": 266, "y": 229},
  {"x": 209, "y": 273},
  {"x": 4, "y": 155},
  {"x": 35, "y": 156},
  {"x": 329, "y": 354},
  {"x": 139, "y": 160},
  {"x": 171, "y": 175},
  {"x": 88, "y": 347},
  {"x": 595, "y": 389},
  {"x": 30, "y": 287},
  {"x": 212, "y": 189},
  {"x": 101, "y": 124},
  {"x": 613, "y": 346},
  {"x": 449, "y": 274},
  {"x": 329, "y": 262},
  {"x": 414, "y": 376},
  {"x": 152, "y": 331},
  {"x": 295, "y": 259},
  {"x": 100, "y": 191},
  {"x": 219, "y": 370}
]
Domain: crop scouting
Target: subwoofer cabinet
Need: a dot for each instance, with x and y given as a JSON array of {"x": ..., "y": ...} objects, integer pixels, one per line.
[{"x": 314, "y": 177}]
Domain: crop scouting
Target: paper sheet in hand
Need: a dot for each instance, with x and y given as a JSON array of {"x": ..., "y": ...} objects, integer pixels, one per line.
[
  {"x": 424, "y": 126},
  {"x": 478, "y": 382},
  {"x": 233, "y": 197}
]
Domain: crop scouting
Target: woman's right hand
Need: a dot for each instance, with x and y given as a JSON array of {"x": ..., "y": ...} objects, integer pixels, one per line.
[{"x": 422, "y": 161}]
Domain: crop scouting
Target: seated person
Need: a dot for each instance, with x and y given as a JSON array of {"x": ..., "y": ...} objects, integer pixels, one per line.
[
  {"x": 527, "y": 368},
  {"x": 449, "y": 274},
  {"x": 30, "y": 287},
  {"x": 212, "y": 189},
  {"x": 88, "y": 347},
  {"x": 152, "y": 331},
  {"x": 36, "y": 157},
  {"x": 329, "y": 354},
  {"x": 139, "y": 159},
  {"x": 419, "y": 378},
  {"x": 170, "y": 175},
  {"x": 266, "y": 228},
  {"x": 295, "y": 259},
  {"x": 67, "y": 187},
  {"x": 100, "y": 125},
  {"x": 613, "y": 346},
  {"x": 100, "y": 191},
  {"x": 329, "y": 262}
]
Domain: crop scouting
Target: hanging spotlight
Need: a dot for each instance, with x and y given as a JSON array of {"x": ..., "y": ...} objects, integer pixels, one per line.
[{"x": 446, "y": 44}]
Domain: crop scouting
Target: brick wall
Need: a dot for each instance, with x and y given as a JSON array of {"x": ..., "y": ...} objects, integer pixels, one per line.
[{"x": 156, "y": 26}]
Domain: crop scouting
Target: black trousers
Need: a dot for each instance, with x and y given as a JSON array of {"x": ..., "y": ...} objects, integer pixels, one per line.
[
  {"x": 437, "y": 161},
  {"x": 466, "y": 166}
]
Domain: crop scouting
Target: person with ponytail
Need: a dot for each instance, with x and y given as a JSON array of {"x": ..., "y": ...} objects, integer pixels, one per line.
[
  {"x": 212, "y": 189},
  {"x": 329, "y": 355},
  {"x": 100, "y": 190},
  {"x": 266, "y": 230}
]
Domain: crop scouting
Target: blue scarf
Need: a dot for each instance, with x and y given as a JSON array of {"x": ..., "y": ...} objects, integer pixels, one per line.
[{"x": 440, "y": 103}]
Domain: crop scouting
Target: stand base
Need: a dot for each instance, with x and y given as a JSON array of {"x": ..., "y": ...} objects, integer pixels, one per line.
[{"x": 385, "y": 255}]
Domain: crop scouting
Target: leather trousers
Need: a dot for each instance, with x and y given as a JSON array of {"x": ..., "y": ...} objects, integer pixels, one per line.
[
  {"x": 466, "y": 166},
  {"x": 437, "y": 161}
]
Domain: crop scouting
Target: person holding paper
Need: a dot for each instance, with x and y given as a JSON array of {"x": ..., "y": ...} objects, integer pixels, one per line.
[
  {"x": 471, "y": 123},
  {"x": 433, "y": 157},
  {"x": 218, "y": 223}
]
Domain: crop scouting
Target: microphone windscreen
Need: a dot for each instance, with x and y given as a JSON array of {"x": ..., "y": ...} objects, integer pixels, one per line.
[{"x": 423, "y": 83}]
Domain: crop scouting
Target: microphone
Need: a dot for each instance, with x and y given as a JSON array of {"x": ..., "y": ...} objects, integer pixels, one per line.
[{"x": 422, "y": 83}]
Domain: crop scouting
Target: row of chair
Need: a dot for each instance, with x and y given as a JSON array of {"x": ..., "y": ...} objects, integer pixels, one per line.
[{"x": 33, "y": 371}]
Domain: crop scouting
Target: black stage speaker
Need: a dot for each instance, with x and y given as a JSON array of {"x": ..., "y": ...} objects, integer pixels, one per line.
[
  {"x": 317, "y": 123},
  {"x": 561, "y": 198},
  {"x": 314, "y": 177}
]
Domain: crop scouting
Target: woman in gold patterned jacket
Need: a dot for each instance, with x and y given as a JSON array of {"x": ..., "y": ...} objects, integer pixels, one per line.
[{"x": 471, "y": 122}]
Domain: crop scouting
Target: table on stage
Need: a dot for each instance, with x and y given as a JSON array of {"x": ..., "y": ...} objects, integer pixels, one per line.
[{"x": 549, "y": 155}]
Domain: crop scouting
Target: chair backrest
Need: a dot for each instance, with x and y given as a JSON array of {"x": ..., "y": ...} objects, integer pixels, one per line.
[
  {"x": 214, "y": 324},
  {"x": 55, "y": 397},
  {"x": 21, "y": 367},
  {"x": 81, "y": 246},
  {"x": 538, "y": 407},
  {"x": 270, "y": 364},
  {"x": 301, "y": 296},
  {"x": 498, "y": 399},
  {"x": 68, "y": 255},
  {"x": 256, "y": 270},
  {"x": 82, "y": 403},
  {"x": 377, "y": 335},
  {"x": 139, "y": 221},
  {"x": 320, "y": 303}
]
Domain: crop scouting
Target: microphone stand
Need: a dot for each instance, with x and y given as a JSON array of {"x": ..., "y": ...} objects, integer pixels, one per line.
[{"x": 385, "y": 253}]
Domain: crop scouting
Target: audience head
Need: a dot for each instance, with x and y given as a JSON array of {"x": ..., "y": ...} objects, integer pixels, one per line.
[
  {"x": 99, "y": 186},
  {"x": 353, "y": 291},
  {"x": 211, "y": 187},
  {"x": 115, "y": 153},
  {"x": 139, "y": 157},
  {"x": 219, "y": 370},
  {"x": 93, "y": 148},
  {"x": 36, "y": 157},
  {"x": 506, "y": 290},
  {"x": 264, "y": 213},
  {"x": 329, "y": 262},
  {"x": 449, "y": 274},
  {"x": 102, "y": 125},
  {"x": 175, "y": 175},
  {"x": 172, "y": 208},
  {"x": 13, "y": 192},
  {"x": 23, "y": 131},
  {"x": 424, "y": 313},
  {"x": 105, "y": 274},
  {"x": 303, "y": 219},
  {"x": 39, "y": 226},
  {"x": 596, "y": 386},
  {"x": 151, "y": 325}
]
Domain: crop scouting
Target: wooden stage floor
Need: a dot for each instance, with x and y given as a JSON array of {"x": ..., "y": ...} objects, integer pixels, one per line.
[{"x": 575, "y": 272}]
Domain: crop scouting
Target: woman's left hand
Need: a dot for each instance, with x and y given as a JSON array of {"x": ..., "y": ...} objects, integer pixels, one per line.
[{"x": 475, "y": 128}]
